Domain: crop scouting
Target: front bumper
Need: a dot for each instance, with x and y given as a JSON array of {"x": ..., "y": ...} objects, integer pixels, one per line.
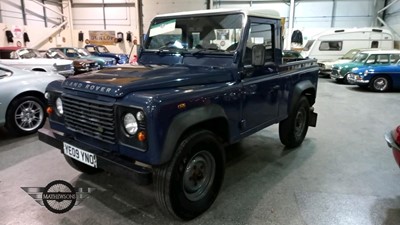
[
  {"x": 395, "y": 148},
  {"x": 107, "y": 161},
  {"x": 355, "y": 79}
]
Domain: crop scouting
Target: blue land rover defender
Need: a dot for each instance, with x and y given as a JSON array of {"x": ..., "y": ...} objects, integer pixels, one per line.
[{"x": 205, "y": 79}]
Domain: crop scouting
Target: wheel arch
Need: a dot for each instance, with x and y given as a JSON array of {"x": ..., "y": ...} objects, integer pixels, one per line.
[
  {"x": 39, "y": 69},
  {"x": 210, "y": 117},
  {"x": 37, "y": 94},
  {"x": 306, "y": 88}
]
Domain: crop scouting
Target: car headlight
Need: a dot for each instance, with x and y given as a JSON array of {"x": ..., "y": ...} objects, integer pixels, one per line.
[
  {"x": 59, "y": 106},
  {"x": 130, "y": 124}
]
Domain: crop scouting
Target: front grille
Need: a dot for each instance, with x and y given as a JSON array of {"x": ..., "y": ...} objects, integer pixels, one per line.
[
  {"x": 91, "y": 118},
  {"x": 63, "y": 67}
]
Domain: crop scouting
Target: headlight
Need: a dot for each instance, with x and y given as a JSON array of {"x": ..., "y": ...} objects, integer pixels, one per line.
[
  {"x": 130, "y": 124},
  {"x": 59, "y": 106}
]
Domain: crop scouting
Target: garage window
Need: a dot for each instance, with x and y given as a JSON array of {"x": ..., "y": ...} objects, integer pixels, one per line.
[{"x": 331, "y": 46}]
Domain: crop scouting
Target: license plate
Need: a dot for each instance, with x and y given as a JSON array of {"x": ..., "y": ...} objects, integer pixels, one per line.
[{"x": 80, "y": 155}]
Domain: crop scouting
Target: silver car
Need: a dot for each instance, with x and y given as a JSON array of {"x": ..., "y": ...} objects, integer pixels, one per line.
[{"x": 22, "y": 102}]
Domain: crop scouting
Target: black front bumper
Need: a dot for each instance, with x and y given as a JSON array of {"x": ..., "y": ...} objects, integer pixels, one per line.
[{"x": 106, "y": 161}]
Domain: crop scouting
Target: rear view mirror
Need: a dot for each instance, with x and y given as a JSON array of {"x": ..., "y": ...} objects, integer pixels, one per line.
[{"x": 258, "y": 55}]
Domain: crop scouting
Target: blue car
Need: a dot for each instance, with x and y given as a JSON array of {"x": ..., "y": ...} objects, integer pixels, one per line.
[
  {"x": 377, "y": 77},
  {"x": 102, "y": 51}
]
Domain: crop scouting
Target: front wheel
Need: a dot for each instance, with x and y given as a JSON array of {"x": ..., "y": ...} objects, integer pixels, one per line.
[
  {"x": 380, "y": 83},
  {"x": 25, "y": 115},
  {"x": 293, "y": 129},
  {"x": 188, "y": 185}
]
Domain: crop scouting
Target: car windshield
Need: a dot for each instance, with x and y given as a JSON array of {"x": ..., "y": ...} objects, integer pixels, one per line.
[
  {"x": 218, "y": 33},
  {"x": 350, "y": 54},
  {"x": 308, "y": 45},
  {"x": 28, "y": 53},
  {"x": 83, "y": 52},
  {"x": 360, "y": 57},
  {"x": 55, "y": 54},
  {"x": 102, "y": 49}
]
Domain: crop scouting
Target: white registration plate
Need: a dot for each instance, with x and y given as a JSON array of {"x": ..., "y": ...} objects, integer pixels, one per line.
[{"x": 80, "y": 155}]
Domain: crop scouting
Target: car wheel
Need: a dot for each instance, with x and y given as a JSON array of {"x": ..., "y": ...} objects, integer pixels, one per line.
[
  {"x": 380, "y": 83},
  {"x": 25, "y": 115},
  {"x": 188, "y": 185},
  {"x": 293, "y": 129},
  {"x": 81, "y": 166}
]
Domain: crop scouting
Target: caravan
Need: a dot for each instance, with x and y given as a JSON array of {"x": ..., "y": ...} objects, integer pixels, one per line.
[{"x": 331, "y": 45}]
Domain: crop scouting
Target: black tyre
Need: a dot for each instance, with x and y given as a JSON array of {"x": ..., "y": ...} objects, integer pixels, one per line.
[
  {"x": 25, "y": 115},
  {"x": 188, "y": 185},
  {"x": 380, "y": 83},
  {"x": 293, "y": 129},
  {"x": 81, "y": 166}
]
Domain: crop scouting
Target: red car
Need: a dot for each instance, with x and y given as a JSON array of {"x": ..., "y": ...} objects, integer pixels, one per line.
[{"x": 393, "y": 140}]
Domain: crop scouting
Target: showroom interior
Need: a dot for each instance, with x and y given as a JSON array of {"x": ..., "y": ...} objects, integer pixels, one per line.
[{"x": 342, "y": 173}]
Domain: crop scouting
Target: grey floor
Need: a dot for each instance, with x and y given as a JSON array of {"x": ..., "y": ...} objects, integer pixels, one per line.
[{"x": 344, "y": 173}]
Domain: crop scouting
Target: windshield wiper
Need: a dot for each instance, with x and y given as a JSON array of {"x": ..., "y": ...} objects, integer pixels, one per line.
[{"x": 206, "y": 50}]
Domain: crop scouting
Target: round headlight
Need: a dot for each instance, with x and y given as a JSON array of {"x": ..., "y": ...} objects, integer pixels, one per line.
[
  {"x": 130, "y": 124},
  {"x": 59, "y": 106},
  {"x": 140, "y": 116}
]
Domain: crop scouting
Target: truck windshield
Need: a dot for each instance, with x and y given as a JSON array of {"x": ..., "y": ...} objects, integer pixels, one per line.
[
  {"x": 102, "y": 49},
  {"x": 210, "y": 34}
]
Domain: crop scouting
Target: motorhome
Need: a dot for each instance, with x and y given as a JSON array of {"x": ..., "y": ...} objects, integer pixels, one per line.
[{"x": 333, "y": 44}]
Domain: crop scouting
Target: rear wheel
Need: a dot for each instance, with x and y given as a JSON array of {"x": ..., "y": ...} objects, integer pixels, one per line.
[
  {"x": 188, "y": 185},
  {"x": 381, "y": 83},
  {"x": 293, "y": 129},
  {"x": 25, "y": 115}
]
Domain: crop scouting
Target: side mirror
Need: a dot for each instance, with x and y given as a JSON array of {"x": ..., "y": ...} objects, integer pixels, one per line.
[{"x": 258, "y": 55}]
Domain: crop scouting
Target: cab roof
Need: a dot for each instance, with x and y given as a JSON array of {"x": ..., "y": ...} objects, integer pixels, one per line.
[{"x": 265, "y": 13}]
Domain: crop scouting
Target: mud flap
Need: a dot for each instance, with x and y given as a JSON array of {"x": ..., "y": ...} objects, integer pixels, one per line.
[{"x": 312, "y": 122}]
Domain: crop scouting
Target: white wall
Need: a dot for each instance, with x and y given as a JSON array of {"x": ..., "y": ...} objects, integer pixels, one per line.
[
  {"x": 314, "y": 17},
  {"x": 153, "y": 8}
]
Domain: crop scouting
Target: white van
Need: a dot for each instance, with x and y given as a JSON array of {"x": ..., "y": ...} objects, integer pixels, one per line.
[{"x": 331, "y": 45}]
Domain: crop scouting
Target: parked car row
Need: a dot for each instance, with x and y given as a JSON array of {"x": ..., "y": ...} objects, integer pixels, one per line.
[
  {"x": 378, "y": 70},
  {"x": 66, "y": 61}
]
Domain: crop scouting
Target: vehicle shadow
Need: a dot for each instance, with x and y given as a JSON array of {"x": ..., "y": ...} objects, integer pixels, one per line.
[
  {"x": 386, "y": 211},
  {"x": 257, "y": 155}
]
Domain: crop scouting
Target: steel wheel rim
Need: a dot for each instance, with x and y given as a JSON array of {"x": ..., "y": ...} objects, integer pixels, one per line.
[
  {"x": 380, "y": 84},
  {"x": 300, "y": 122},
  {"x": 29, "y": 115},
  {"x": 199, "y": 175}
]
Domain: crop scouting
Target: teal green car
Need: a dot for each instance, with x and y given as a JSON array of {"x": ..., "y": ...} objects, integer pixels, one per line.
[{"x": 341, "y": 71}]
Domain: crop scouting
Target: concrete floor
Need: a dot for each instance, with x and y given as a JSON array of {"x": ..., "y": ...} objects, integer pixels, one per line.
[{"x": 344, "y": 173}]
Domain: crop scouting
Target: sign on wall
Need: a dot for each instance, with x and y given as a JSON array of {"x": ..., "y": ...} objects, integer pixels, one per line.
[{"x": 102, "y": 37}]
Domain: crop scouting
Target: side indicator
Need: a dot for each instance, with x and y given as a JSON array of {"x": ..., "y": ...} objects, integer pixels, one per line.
[
  {"x": 182, "y": 106},
  {"x": 141, "y": 136},
  {"x": 49, "y": 110}
]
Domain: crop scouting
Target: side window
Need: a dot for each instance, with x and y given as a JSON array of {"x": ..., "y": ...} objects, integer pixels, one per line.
[
  {"x": 331, "y": 45},
  {"x": 394, "y": 58},
  {"x": 383, "y": 59},
  {"x": 260, "y": 34},
  {"x": 374, "y": 44}
]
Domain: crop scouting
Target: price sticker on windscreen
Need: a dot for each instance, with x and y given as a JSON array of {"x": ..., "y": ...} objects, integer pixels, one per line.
[{"x": 162, "y": 28}]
